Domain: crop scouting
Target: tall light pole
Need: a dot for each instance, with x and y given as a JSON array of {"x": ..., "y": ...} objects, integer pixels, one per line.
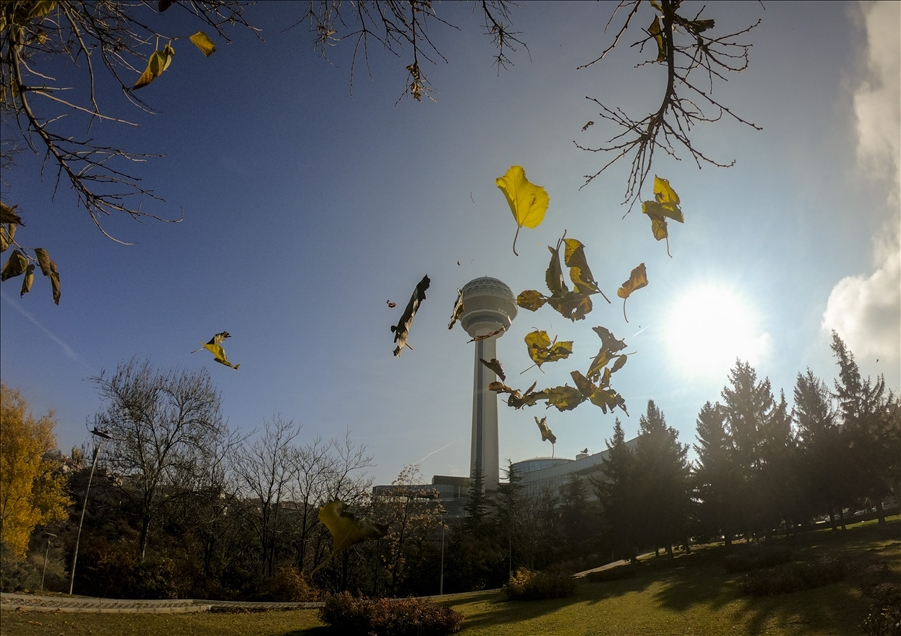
[{"x": 102, "y": 435}]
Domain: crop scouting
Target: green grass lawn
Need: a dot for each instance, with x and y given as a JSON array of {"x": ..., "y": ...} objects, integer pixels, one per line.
[{"x": 688, "y": 595}]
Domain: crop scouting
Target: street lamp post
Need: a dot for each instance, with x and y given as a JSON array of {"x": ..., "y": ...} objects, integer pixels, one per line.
[
  {"x": 441, "y": 585},
  {"x": 46, "y": 554},
  {"x": 102, "y": 435}
]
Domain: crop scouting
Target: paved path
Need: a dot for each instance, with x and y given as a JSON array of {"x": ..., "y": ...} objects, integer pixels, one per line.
[
  {"x": 35, "y": 603},
  {"x": 63, "y": 603}
]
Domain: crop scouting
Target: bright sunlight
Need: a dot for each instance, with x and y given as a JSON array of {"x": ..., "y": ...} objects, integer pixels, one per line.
[{"x": 709, "y": 327}]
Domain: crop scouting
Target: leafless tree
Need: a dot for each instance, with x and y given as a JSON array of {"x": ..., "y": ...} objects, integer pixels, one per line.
[
  {"x": 694, "y": 58},
  {"x": 165, "y": 428}
]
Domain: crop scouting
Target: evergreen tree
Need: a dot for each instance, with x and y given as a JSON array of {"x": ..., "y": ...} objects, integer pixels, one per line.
[
  {"x": 779, "y": 482},
  {"x": 868, "y": 425},
  {"x": 577, "y": 518},
  {"x": 661, "y": 481},
  {"x": 822, "y": 468},
  {"x": 616, "y": 493},
  {"x": 715, "y": 482},
  {"x": 748, "y": 405}
]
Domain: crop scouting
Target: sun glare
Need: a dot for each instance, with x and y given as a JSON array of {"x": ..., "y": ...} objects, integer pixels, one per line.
[{"x": 709, "y": 327}]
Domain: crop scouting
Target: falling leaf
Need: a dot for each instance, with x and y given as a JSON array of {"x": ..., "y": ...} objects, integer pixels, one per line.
[
  {"x": 586, "y": 126},
  {"x": 608, "y": 340},
  {"x": 579, "y": 272},
  {"x": 657, "y": 34},
  {"x": 202, "y": 41},
  {"x": 458, "y": 309},
  {"x": 346, "y": 529},
  {"x": 16, "y": 265},
  {"x": 495, "y": 365},
  {"x": 531, "y": 300},
  {"x": 219, "y": 354},
  {"x": 542, "y": 349},
  {"x": 402, "y": 328},
  {"x": 637, "y": 279},
  {"x": 41, "y": 8},
  {"x": 494, "y": 333},
  {"x": 565, "y": 397},
  {"x": 159, "y": 61},
  {"x": 528, "y": 202},
  {"x": 518, "y": 400},
  {"x": 214, "y": 347},
  {"x": 546, "y": 434},
  {"x": 391, "y": 305},
  {"x": 553, "y": 277}
]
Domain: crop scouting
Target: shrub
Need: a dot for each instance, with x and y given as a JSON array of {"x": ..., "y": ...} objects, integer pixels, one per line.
[
  {"x": 884, "y": 618},
  {"x": 618, "y": 573},
  {"x": 16, "y": 575},
  {"x": 388, "y": 617},
  {"x": 756, "y": 557},
  {"x": 526, "y": 585},
  {"x": 793, "y": 577},
  {"x": 285, "y": 586}
]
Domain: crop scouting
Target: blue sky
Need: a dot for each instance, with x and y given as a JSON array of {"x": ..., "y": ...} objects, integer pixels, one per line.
[{"x": 307, "y": 208}]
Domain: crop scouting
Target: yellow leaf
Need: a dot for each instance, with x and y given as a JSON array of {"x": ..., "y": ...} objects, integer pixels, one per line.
[
  {"x": 159, "y": 61},
  {"x": 542, "y": 350},
  {"x": 219, "y": 352},
  {"x": 657, "y": 34},
  {"x": 8, "y": 214},
  {"x": 41, "y": 8},
  {"x": 204, "y": 43},
  {"x": 345, "y": 528},
  {"x": 531, "y": 300},
  {"x": 528, "y": 202},
  {"x": 608, "y": 340},
  {"x": 565, "y": 397},
  {"x": 637, "y": 279},
  {"x": 579, "y": 272},
  {"x": 668, "y": 199}
]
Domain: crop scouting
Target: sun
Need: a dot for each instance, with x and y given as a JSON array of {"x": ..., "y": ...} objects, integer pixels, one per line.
[{"x": 708, "y": 327}]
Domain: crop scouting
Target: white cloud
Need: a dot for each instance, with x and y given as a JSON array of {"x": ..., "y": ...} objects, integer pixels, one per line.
[{"x": 866, "y": 310}]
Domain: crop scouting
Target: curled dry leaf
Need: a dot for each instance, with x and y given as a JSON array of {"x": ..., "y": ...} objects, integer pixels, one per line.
[
  {"x": 391, "y": 305},
  {"x": 402, "y": 328},
  {"x": 547, "y": 435},
  {"x": 637, "y": 279},
  {"x": 495, "y": 365},
  {"x": 457, "y": 311},
  {"x": 528, "y": 202},
  {"x": 485, "y": 336}
]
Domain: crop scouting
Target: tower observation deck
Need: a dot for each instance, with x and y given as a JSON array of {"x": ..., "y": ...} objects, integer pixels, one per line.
[{"x": 488, "y": 305}]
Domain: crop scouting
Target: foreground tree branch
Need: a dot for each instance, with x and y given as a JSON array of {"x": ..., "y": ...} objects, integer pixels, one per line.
[{"x": 684, "y": 103}]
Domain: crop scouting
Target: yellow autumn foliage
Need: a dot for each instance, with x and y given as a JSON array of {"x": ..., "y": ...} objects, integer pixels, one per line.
[{"x": 31, "y": 493}]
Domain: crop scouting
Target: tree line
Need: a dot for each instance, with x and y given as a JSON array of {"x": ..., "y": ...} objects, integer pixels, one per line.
[{"x": 180, "y": 505}]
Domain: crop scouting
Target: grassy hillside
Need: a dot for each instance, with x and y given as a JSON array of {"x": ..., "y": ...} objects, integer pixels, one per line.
[{"x": 691, "y": 594}]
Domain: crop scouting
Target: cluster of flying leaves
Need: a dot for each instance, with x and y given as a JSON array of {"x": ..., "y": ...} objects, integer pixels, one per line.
[
  {"x": 161, "y": 58},
  {"x": 215, "y": 347},
  {"x": 573, "y": 303},
  {"x": 19, "y": 262},
  {"x": 593, "y": 386}
]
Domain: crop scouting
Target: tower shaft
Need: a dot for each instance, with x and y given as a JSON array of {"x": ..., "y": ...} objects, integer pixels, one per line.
[{"x": 484, "y": 451}]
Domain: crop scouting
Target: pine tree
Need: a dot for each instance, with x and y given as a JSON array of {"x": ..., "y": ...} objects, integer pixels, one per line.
[
  {"x": 661, "y": 481},
  {"x": 822, "y": 466},
  {"x": 868, "y": 425},
  {"x": 715, "y": 483},
  {"x": 617, "y": 494}
]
